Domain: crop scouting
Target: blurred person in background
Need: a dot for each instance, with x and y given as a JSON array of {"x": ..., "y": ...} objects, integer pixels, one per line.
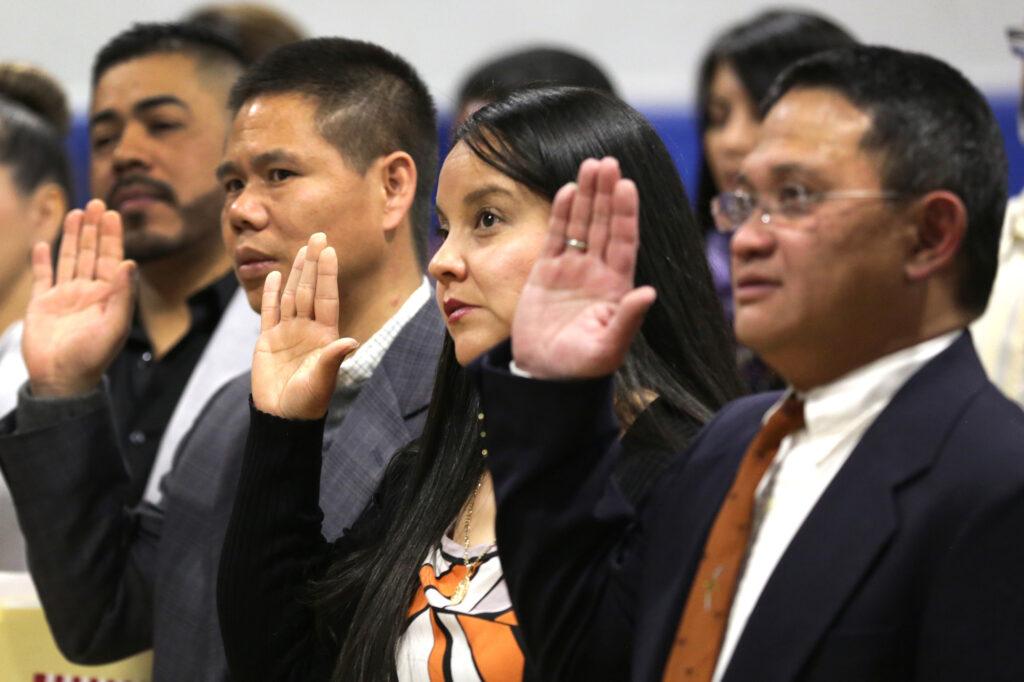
[
  {"x": 256, "y": 28},
  {"x": 529, "y": 67},
  {"x": 733, "y": 77},
  {"x": 35, "y": 191},
  {"x": 999, "y": 333}
]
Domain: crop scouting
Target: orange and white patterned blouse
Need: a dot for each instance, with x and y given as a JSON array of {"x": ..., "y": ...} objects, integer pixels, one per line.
[{"x": 477, "y": 639}]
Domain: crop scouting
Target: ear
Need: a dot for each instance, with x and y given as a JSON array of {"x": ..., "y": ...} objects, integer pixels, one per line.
[
  {"x": 47, "y": 207},
  {"x": 398, "y": 180},
  {"x": 940, "y": 222}
]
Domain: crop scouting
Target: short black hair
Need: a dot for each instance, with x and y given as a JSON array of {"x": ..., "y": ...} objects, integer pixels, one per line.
[
  {"x": 932, "y": 130},
  {"x": 758, "y": 49},
  {"x": 370, "y": 102},
  {"x": 203, "y": 43},
  {"x": 532, "y": 67}
]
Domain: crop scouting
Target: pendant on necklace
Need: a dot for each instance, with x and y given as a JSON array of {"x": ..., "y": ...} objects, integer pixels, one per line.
[{"x": 460, "y": 590}]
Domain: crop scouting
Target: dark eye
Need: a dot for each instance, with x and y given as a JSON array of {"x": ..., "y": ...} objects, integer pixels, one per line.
[
  {"x": 793, "y": 199},
  {"x": 488, "y": 219},
  {"x": 233, "y": 186},
  {"x": 279, "y": 174},
  {"x": 157, "y": 127},
  {"x": 100, "y": 143}
]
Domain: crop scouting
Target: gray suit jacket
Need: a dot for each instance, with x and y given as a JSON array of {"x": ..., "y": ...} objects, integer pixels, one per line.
[{"x": 114, "y": 581}]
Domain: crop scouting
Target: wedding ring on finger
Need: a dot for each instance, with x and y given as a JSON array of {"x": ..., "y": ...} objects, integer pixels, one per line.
[{"x": 577, "y": 244}]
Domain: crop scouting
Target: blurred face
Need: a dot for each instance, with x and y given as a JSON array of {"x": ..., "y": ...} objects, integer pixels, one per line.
[
  {"x": 732, "y": 126},
  {"x": 283, "y": 182},
  {"x": 18, "y": 237},
  {"x": 814, "y": 287},
  {"x": 157, "y": 127},
  {"x": 494, "y": 228}
]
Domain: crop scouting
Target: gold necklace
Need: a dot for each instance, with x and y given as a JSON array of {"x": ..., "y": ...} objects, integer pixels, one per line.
[{"x": 463, "y": 586}]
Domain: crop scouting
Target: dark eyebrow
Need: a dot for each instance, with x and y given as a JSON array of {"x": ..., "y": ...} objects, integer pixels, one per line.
[
  {"x": 478, "y": 194},
  {"x": 226, "y": 168},
  {"x": 274, "y": 156},
  {"x": 140, "y": 107}
]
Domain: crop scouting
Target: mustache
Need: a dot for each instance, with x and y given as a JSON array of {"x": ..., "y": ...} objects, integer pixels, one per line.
[{"x": 160, "y": 190}]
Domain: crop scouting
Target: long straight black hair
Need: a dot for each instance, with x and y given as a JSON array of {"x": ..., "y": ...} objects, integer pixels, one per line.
[{"x": 683, "y": 354}]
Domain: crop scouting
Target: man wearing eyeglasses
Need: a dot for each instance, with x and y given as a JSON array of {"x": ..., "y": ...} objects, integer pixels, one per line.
[
  {"x": 867, "y": 523},
  {"x": 999, "y": 333}
]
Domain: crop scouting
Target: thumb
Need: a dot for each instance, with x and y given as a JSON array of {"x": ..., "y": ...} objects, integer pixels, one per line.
[
  {"x": 630, "y": 315},
  {"x": 332, "y": 356}
]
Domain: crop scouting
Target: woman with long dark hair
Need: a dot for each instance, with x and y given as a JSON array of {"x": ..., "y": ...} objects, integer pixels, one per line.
[
  {"x": 414, "y": 591},
  {"x": 733, "y": 77}
]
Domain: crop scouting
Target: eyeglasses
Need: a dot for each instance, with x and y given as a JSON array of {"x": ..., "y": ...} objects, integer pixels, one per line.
[
  {"x": 1015, "y": 36},
  {"x": 791, "y": 202}
]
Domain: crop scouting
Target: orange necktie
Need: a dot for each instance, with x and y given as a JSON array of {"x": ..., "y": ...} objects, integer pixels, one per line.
[{"x": 702, "y": 628}]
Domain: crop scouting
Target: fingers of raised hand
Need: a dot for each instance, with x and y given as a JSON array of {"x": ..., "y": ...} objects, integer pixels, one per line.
[
  {"x": 561, "y": 206},
  {"x": 88, "y": 240},
  {"x": 624, "y": 230},
  {"x": 69, "y": 245},
  {"x": 111, "y": 246},
  {"x": 288, "y": 297},
  {"x": 583, "y": 204},
  {"x": 608, "y": 174},
  {"x": 270, "y": 309},
  {"x": 306, "y": 289},
  {"x": 42, "y": 269},
  {"x": 325, "y": 299}
]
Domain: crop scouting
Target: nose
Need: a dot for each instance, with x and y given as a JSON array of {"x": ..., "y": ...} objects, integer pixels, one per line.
[
  {"x": 246, "y": 211},
  {"x": 132, "y": 149},
  {"x": 448, "y": 264},
  {"x": 755, "y": 238}
]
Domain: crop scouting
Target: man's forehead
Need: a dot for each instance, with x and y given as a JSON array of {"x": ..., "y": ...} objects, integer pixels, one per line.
[
  {"x": 162, "y": 73},
  {"x": 810, "y": 127}
]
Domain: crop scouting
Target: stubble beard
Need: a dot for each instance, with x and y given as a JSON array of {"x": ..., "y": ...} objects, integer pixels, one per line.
[{"x": 198, "y": 218}]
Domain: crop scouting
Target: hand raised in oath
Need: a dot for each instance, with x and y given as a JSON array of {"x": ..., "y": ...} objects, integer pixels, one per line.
[
  {"x": 579, "y": 310},
  {"x": 295, "y": 364},
  {"x": 76, "y": 323}
]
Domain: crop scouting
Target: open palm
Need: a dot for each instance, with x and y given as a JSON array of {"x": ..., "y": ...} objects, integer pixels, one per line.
[
  {"x": 295, "y": 364},
  {"x": 579, "y": 310},
  {"x": 76, "y": 323}
]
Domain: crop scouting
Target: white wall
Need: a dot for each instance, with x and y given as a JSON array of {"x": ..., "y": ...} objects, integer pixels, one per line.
[{"x": 651, "y": 47}]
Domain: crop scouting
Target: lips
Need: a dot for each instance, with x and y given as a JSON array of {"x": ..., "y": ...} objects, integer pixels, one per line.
[
  {"x": 253, "y": 264},
  {"x": 136, "y": 193},
  {"x": 455, "y": 310},
  {"x": 748, "y": 288}
]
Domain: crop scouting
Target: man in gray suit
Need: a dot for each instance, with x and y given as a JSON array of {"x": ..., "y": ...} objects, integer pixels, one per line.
[{"x": 329, "y": 135}]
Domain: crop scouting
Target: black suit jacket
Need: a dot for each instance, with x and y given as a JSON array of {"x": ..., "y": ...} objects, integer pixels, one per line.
[
  {"x": 909, "y": 567},
  {"x": 114, "y": 581}
]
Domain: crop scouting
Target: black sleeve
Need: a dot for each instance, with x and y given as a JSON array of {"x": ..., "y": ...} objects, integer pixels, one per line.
[
  {"x": 272, "y": 547},
  {"x": 565, "y": 533}
]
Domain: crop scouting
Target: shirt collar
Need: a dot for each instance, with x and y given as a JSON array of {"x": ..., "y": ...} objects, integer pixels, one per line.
[
  {"x": 360, "y": 365},
  {"x": 830, "y": 406}
]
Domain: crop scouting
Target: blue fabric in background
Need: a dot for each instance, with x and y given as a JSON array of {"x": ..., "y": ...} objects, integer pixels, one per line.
[{"x": 677, "y": 128}]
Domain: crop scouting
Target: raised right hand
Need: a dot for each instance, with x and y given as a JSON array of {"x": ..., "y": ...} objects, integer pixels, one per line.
[
  {"x": 76, "y": 325},
  {"x": 295, "y": 365}
]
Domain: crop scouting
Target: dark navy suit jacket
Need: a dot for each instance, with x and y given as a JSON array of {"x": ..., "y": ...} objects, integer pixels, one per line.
[{"x": 909, "y": 567}]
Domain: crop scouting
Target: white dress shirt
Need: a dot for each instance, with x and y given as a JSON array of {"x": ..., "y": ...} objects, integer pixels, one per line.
[
  {"x": 12, "y": 375},
  {"x": 836, "y": 416},
  {"x": 360, "y": 365}
]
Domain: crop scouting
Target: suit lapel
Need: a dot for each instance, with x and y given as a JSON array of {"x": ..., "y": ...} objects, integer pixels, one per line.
[
  {"x": 381, "y": 420},
  {"x": 856, "y": 516}
]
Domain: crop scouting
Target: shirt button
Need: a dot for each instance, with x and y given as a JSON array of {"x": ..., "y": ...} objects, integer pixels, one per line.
[
  {"x": 136, "y": 437},
  {"x": 147, "y": 356}
]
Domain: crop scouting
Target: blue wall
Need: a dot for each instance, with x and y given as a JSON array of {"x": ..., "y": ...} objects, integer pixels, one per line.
[{"x": 676, "y": 127}]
